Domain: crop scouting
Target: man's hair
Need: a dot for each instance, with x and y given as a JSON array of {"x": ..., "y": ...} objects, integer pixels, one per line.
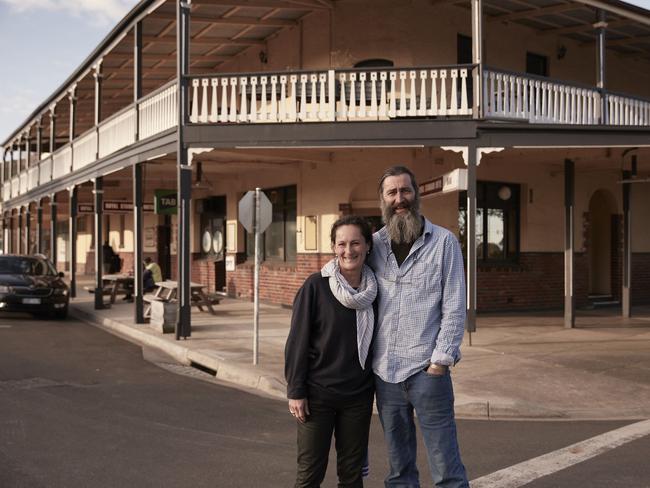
[
  {"x": 147, "y": 260},
  {"x": 396, "y": 171}
]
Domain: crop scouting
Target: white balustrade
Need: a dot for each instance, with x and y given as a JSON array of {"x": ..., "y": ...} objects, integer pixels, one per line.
[
  {"x": 45, "y": 173},
  {"x": 254, "y": 98},
  {"x": 514, "y": 96},
  {"x": 158, "y": 112},
  {"x": 62, "y": 161},
  {"x": 15, "y": 186},
  {"x": 23, "y": 182},
  {"x": 117, "y": 132},
  {"x": 84, "y": 149},
  {"x": 32, "y": 177},
  {"x": 329, "y": 96},
  {"x": 628, "y": 111}
]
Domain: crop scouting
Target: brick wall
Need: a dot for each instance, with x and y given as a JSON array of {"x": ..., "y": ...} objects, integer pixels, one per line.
[
  {"x": 640, "y": 278},
  {"x": 279, "y": 282},
  {"x": 537, "y": 282},
  {"x": 203, "y": 271}
]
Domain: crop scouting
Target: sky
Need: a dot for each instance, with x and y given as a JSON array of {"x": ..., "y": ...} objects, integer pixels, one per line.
[{"x": 45, "y": 40}]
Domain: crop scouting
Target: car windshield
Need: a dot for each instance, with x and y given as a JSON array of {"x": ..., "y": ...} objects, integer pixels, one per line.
[{"x": 25, "y": 266}]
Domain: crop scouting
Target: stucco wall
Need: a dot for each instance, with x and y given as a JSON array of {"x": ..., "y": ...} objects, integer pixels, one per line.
[{"x": 423, "y": 33}]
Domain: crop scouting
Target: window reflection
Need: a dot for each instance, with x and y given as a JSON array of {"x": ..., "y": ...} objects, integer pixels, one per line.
[{"x": 497, "y": 221}]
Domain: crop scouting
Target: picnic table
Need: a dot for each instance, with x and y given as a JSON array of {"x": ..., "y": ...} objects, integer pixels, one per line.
[
  {"x": 114, "y": 284},
  {"x": 166, "y": 291}
]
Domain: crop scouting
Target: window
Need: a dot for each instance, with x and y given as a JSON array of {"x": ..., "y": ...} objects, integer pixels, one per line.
[
  {"x": 279, "y": 239},
  {"x": 374, "y": 63},
  {"x": 464, "y": 49},
  {"x": 497, "y": 221},
  {"x": 536, "y": 64},
  {"x": 464, "y": 56},
  {"x": 212, "y": 211}
]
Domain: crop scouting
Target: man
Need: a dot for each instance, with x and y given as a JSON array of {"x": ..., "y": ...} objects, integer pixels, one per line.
[
  {"x": 112, "y": 261},
  {"x": 156, "y": 272},
  {"x": 421, "y": 289}
]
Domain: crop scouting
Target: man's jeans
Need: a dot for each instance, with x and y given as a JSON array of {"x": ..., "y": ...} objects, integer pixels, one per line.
[{"x": 432, "y": 397}]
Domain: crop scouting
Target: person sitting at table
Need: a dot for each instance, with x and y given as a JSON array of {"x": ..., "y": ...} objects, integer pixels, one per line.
[
  {"x": 149, "y": 283},
  {"x": 155, "y": 270}
]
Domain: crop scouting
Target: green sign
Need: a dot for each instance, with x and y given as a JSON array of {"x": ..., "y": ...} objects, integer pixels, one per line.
[{"x": 165, "y": 202}]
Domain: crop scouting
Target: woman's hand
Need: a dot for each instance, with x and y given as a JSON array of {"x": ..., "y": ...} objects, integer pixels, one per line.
[{"x": 299, "y": 409}]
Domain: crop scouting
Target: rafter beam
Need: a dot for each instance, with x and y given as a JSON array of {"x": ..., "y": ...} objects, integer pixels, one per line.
[
  {"x": 207, "y": 40},
  {"x": 260, "y": 4},
  {"x": 623, "y": 41},
  {"x": 536, "y": 12},
  {"x": 231, "y": 20},
  {"x": 582, "y": 27},
  {"x": 172, "y": 57}
]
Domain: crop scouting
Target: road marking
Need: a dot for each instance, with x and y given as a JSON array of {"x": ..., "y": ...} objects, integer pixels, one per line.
[{"x": 527, "y": 471}]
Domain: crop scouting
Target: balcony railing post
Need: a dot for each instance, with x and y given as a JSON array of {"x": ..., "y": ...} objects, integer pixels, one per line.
[
  {"x": 52, "y": 128},
  {"x": 478, "y": 110},
  {"x": 601, "y": 29},
  {"x": 72, "y": 95},
  {"x": 331, "y": 90},
  {"x": 97, "y": 74},
  {"x": 137, "y": 74},
  {"x": 39, "y": 138}
]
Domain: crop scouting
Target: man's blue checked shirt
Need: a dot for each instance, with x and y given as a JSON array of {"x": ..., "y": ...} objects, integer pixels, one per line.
[{"x": 421, "y": 304}]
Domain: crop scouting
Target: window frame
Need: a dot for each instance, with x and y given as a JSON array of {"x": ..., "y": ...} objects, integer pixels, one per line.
[
  {"x": 486, "y": 198},
  {"x": 249, "y": 247}
]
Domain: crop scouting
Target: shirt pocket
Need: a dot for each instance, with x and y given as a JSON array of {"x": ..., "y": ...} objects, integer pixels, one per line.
[{"x": 426, "y": 276}]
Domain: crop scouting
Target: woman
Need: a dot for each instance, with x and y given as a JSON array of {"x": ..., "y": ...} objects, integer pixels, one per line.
[{"x": 330, "y": 384}]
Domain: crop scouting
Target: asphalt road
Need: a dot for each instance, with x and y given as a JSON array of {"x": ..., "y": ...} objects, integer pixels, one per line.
[{"x": 82, "y": 408}]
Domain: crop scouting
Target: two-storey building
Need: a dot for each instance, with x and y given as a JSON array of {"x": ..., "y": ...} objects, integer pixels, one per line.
[{"x": 527, "y": 123}]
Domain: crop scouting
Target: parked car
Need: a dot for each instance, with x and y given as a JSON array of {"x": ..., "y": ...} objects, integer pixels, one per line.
[{"x": 32, "y": 284}]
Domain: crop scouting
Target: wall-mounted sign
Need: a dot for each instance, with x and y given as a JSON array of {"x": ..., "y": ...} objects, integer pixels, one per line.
[
  {"x": 165, "y": 202},
  {"x": 230, "y": 263},
  {"x": 455, "y": 180},
  {"x": 113, "y": 206}
]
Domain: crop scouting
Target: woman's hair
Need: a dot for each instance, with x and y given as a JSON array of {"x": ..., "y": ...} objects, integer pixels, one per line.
[{"x": 360, "y": 222}]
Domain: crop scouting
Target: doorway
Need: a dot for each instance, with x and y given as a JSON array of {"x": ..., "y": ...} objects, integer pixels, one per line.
[
  {"x": 164, "y": 239},
  {"x": 602, "y": 207}
]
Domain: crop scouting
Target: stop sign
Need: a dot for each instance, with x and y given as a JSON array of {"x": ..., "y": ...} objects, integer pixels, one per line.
[{"x": 247, "y": 211}]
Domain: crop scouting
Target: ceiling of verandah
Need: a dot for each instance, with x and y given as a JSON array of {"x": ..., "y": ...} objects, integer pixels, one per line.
[
  {"x": 220, "y": 31},
  {"x": 572, "y": 20}
]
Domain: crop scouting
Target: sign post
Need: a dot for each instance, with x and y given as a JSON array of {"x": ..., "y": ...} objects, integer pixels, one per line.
[{"x": 255, "y": 214}]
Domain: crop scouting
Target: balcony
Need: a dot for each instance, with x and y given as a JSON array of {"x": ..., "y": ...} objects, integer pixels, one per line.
[{"x": 384, "y": 94}]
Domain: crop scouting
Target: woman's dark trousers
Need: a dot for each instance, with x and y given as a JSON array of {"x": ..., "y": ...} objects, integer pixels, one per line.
[{"x": 349, "y": 419}]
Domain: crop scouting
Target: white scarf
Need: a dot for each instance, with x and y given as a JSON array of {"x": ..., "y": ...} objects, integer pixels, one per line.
[{"x": 360, "y": 300}]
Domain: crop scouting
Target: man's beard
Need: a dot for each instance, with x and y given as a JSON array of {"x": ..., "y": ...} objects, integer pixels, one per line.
[{"x": 402, "y": 228}]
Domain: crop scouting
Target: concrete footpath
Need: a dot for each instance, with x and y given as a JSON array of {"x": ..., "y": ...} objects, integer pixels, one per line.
[{"x": 517, "y": 366}]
